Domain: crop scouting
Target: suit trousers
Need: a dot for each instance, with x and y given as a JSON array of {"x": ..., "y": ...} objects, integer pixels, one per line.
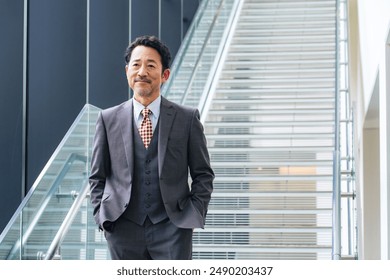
[{"x": 161, "y": 241}]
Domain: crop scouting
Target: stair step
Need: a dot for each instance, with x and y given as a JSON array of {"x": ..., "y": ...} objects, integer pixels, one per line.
[
  {"x": 312, "y": 149},
  {"x": 273, "y": 124},
  {"x": 288, "y": 4},
  {"x": 259, "y": 164},
  {"x": 280, "y": 71},
  {"x": 275, "y": 64},
  {"x": 268, "y": 211},
  {"x": 314, "y": 102},
  {"x": 258, "y": 249},
  {"x": 290, "y": 18},
  {"x": 272, "y": 112}
]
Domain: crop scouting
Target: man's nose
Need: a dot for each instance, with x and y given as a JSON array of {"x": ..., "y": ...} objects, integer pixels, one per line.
[{"x": 142, "y": 71}]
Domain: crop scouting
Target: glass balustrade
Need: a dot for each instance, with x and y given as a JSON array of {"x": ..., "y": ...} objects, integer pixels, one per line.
[
  {"x": 39, "y": 218},
  {"x": 194, "y": 69}
]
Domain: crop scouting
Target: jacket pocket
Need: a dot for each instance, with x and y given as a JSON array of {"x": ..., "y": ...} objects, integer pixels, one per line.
[{"x": 182, "y": 203}]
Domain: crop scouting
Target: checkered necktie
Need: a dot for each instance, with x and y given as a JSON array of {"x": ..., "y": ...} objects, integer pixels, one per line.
[{"x": 145, "y": 129}]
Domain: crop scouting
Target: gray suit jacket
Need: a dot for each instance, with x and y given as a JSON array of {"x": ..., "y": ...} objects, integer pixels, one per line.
[{"x": 181, "y": 149}]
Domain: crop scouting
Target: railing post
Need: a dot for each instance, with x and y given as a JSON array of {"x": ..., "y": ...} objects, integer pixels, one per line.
[
  {"x": 336, "y": 225},
  {"x": 67, "y": 223},
  {"x": 336, "y": 222}
]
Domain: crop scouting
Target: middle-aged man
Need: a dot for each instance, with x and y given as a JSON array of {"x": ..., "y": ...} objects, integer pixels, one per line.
[{"x": 143, "y": 151}]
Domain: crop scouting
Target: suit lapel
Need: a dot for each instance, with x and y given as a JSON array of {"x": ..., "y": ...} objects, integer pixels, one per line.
[
  {"x": 125, "y": 118},
  {"x": 167, "y": 115}
]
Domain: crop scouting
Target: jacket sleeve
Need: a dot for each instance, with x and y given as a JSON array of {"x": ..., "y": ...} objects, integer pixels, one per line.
[
  {"x": 100, "y": 166},
  {"x": 199, "y": 165}
]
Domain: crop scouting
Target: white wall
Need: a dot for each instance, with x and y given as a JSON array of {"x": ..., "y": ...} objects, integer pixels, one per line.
[
  {"x": 370, "y": 247},
  {"x": 374, "y": 23},
  {"x": 370, "y": 79}
]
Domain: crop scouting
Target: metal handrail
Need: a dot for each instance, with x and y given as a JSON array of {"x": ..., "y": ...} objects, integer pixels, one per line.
[
  {"x": 217, "y": 65},
  {"x": 62, "y": 231},
  {"x": 336, "y": 222},
  {"x": 192, "y": 77},
  {"x": 54, "y": 186},
  {"x": 185, "y": 44},
  {"x": 203, "y": 48},
  {"x": 349, "y": 194}
]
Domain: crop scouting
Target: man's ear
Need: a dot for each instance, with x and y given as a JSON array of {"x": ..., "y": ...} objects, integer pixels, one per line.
[
  {"x": 126, "y": 68},
  {"x": 166, "y": 74}
]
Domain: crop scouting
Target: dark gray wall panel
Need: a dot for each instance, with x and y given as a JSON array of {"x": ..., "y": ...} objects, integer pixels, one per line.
[
  {"x": 109, "y": 37},
  {"x": 144, "y": 18},
  {"x": 171, "y": 24},
  {"x": 56, "y": 75},
  {"x": 11, "y": 107},
  {"x": 189, "y": 10}
]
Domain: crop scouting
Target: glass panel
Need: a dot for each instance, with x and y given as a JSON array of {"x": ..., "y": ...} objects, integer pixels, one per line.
[
  {"x": 199, "y": 53},
  {"x": 41, "y": 214}
]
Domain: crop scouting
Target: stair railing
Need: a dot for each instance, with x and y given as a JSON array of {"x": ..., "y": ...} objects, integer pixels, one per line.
[
  {"x": 344, "y": 194},
  {"x": 213, "y": 78},
  {"x": 17, "y": 241},
  {"x": 336, "y": 223},
  {"x": 348, "y": 230},
  {"x": 185, "y": 46},
  {"x": 55, "y": 245},
  {"x": 200, "y": 55},
  {"x": 211, "y": 48},
  {"x": 53, "y": 188}
]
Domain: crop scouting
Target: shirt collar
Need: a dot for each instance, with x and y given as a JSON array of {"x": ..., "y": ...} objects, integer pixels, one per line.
[{"x": 154, "y": 107}]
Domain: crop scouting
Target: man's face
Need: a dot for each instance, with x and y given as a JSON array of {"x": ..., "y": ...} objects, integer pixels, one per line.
[{"x": 144, "y": 73}]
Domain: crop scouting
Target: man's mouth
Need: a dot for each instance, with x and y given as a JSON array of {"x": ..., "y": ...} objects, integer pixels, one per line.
[{"x": 142, "y": 81}]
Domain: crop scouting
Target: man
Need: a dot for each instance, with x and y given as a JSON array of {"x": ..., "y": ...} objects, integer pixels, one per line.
[{"x": 140, "y": 165}]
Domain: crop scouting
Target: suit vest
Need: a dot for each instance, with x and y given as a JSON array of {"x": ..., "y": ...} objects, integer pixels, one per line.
[{"x": 146, "y": 200}]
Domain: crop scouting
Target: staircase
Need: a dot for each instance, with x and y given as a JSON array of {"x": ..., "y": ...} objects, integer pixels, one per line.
[{"x": 270, "y": 130}]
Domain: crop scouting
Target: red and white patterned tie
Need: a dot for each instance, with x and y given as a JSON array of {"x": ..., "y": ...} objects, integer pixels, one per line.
[{"x": 145, "y": 129}]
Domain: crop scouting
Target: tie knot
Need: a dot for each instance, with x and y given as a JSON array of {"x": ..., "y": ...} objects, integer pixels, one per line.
[{"x": 146, "y": 112}]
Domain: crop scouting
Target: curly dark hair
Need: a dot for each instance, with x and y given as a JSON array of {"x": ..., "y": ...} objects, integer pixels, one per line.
[{"x": 152, "y": 42}]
